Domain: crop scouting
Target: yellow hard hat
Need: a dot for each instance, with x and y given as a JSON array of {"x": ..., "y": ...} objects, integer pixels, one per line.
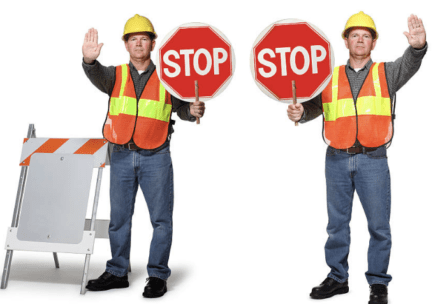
[
  {"x": 362, "y": 20},
  {"x": 138, "y": 24}
]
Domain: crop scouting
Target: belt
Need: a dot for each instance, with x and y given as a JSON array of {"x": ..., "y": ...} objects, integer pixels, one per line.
[
  {"x": 357, "y": 150},
  {"x": 131, "y": 146}
]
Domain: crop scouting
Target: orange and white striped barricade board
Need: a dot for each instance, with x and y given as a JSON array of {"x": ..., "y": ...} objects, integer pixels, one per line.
[{"x": 52, "y": 198}]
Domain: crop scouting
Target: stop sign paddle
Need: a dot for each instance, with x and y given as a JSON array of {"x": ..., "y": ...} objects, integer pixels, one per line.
[
  {"x": 292, "y": 60},
  {"x": 195, "y": 62}
]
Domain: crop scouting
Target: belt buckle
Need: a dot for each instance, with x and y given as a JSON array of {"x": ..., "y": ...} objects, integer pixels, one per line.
[
  {"x": 348, "y": 151},
  {"x": 134, "y": 147}
]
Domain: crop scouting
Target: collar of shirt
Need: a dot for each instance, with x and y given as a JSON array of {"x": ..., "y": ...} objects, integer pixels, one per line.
[
  {"x": 367, "y": 66},
  {"x": 149, "y": 69}
]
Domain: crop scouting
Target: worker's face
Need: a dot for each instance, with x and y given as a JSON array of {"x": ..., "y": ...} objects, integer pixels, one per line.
[
  {"x": 139, "y": 45},
  {"x": 360, "y": 42}
]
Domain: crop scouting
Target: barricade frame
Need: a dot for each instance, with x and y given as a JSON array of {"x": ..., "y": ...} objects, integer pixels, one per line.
[{"x": 89, "y": 233}]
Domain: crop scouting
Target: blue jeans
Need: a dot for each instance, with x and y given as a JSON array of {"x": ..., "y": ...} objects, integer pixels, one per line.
[
  {"x": 153, "y": 171},
  {"x": 369, "y": 175}
]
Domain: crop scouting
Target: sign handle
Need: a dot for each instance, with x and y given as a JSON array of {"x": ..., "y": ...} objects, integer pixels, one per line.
[
  {"x": 197, "y": 97},
  {"x": 294, "y": 97}
]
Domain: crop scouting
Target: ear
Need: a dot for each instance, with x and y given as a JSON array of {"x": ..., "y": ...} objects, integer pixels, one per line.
[
  {"x": 153, "y": 44},
  {"x": 374, "y": 44},
  {"x": 346, "y": 42}
]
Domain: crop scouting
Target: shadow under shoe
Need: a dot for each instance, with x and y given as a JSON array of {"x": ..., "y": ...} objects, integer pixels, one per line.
[
  {"x": 328, "y": 289},
  {"x": 155, "y": 288},
  {"x": 378, "y": 294},
  {"x": 107, "y": 281}
]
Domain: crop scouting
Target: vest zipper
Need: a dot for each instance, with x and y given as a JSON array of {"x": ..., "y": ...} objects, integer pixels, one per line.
[
  {"x": 355, "y": 100},
  {"x": 137, "y": 102}
]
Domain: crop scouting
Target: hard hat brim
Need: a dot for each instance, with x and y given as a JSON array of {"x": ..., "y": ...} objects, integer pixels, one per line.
[
  {"x": 154, "y": 34},
  {"x": 348, "y": 29}
]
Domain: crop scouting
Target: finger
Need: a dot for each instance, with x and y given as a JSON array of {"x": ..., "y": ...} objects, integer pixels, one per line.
[
  {"x": 410, "y": 26},
  {"x": 294, "y": 113},
  {"x": 96, "y": 36},
  {"x": 290, "y": 107},
  {"x": 413, "y": 22},
  {"x": 92, "y": 35},
  {"x": 421, "y": 24},
  {"x": 85, "y": 38}
]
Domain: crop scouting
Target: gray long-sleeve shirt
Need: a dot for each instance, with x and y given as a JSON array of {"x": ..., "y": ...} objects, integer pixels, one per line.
[
  {"x": 104, "y": 79},
  {"x": 397, "y": 73}
]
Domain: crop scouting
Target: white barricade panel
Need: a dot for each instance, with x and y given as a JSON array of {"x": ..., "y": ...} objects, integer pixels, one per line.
[{"x": 55, "y": 198}]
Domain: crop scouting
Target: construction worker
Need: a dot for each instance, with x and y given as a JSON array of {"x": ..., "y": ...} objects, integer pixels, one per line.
[
  {"x": 139, "y": 125},
  {"x": 357, "y": 106}
]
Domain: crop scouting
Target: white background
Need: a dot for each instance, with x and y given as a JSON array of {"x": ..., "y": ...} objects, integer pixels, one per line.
[{"x": 250, "y": 208}]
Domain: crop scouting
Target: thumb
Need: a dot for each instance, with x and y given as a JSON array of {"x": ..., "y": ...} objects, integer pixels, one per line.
[
  {"x": 100, "y": 46},
  {"x": 406, "y": 34},
  {"x": 298, "y": 106}
]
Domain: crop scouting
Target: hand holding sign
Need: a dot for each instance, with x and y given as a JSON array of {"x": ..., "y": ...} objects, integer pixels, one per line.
[
  {"x": 195, "y": 52},
  {"x": 292, "y": 50}
]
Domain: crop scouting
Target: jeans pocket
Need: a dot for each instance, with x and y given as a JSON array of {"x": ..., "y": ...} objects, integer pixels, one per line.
[
  {"x": 330, "y": 151},
  {"x": 380, "y": 152},
  {"x": 164, "y": 150},
  {"x": 116, "y": 148}
]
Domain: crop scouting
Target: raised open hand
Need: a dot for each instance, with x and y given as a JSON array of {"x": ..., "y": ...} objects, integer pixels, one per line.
[
  {"x": 417, "y": 35},
  {"x": 91, "y": 49}
]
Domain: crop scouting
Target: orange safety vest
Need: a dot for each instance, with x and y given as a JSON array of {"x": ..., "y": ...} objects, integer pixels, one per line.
[
  {"x": 146, "y": 119},
  {"x": 369, "y": 119}
]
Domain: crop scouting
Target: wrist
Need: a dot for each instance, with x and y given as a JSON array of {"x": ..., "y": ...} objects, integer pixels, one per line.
[{"x": 88, "y": 60}]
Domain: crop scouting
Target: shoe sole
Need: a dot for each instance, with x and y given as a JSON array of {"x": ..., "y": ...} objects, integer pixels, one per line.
[
  {"x": 156, "y": 295},
  {"x": 375, "y": 302},
  {"x": 336, "y": 292},
  {"x": 115, "y": 286}
]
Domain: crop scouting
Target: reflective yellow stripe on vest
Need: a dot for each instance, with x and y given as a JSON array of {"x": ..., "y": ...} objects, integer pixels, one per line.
[
  {"x": 155, "y": 109},
  {"x": 123, "y": 104},
  {"x": 374, "y": 105},
  {"x": 366, "y": 105}
]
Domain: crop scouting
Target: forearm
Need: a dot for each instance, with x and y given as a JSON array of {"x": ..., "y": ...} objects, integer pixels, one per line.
[
  {"x": 312, "y": 109},
  {"x": 101, "y": 76},
  {"x": 182, "y": 108},
  {"x": 400, "y": 71}
]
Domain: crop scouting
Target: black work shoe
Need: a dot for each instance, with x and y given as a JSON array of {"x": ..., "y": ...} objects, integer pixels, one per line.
[
  {"x": 107, "y": 281},
  {"x": 155, "y": 288},
  {"x": 378, "y": 294},
  {"x": 328, "y": 289}
]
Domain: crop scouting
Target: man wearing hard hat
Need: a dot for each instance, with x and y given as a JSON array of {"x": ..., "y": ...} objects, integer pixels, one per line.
[
  {"x": 139, "y": 125},
  {"x": 358, "y": 109}
]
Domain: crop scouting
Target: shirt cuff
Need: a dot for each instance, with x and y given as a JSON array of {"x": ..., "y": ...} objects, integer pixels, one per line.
[
  {"x": 191, "y": 118},
  {"x": 303, "y": 117},
  {"x": 89, "y": 64},
  {"x": 420, "y": 51}
]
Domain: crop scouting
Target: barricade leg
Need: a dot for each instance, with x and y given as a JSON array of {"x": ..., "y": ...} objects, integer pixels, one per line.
[
  {"x": 55, "y": 258},
  {"x": 7, "y": 269},
  {"x": 85, "y": 273},
  {"x": 92, "y": 228}
]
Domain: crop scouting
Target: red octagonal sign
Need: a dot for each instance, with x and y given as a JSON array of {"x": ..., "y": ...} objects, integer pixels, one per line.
[
  {"x": 195, "y": 51},
  {"x": 289, "y": 50}
]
